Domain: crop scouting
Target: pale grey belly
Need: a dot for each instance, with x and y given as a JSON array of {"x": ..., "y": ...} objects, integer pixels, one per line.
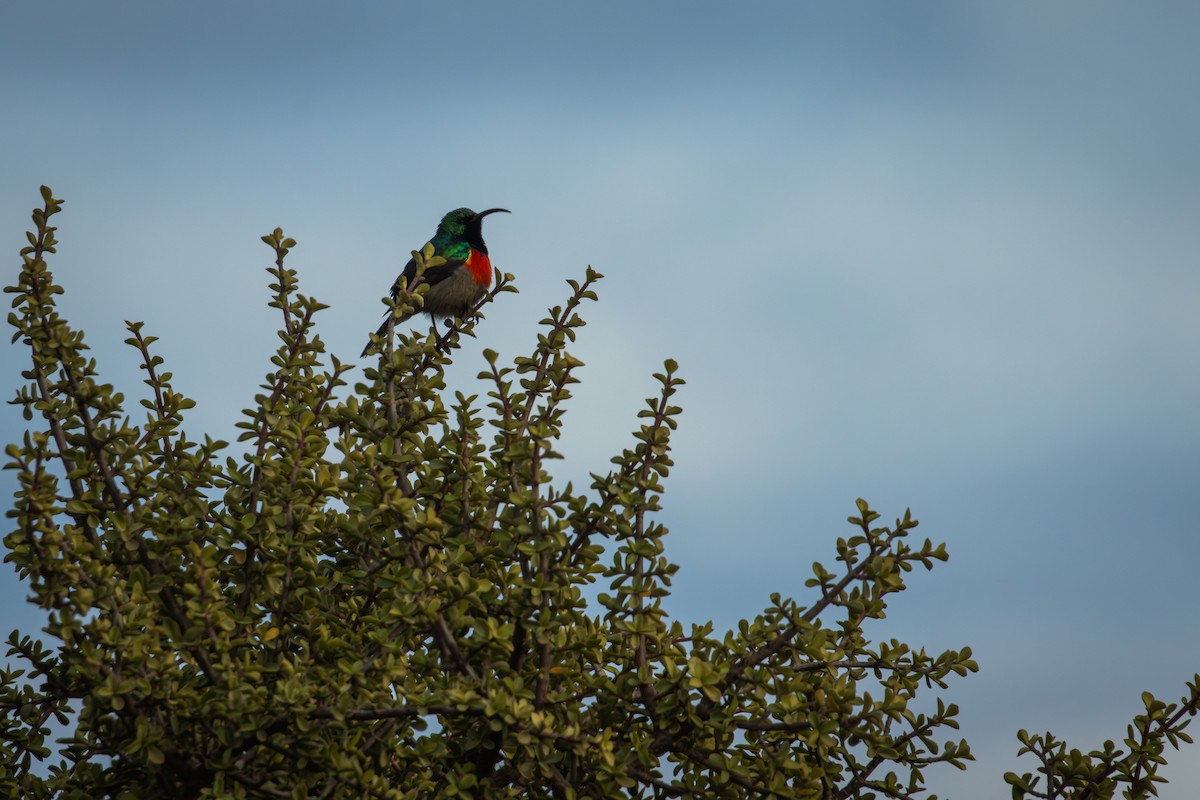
[{"x": 454, "y": 295}]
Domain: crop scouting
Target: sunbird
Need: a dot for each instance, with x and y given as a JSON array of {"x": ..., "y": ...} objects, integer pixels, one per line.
[{"x": 459, "y": 283}]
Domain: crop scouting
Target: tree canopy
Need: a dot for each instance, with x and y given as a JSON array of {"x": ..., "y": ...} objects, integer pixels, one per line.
[{"x": 381, "y": 591}]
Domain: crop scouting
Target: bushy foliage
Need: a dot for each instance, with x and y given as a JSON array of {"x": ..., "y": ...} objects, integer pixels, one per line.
[{"x": 383, "y": 593}]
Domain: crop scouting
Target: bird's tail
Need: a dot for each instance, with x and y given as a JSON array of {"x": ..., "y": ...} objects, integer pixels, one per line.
[{"x": 379, "y": 336}]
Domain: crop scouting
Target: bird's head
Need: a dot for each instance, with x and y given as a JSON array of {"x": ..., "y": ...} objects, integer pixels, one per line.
[{"x": 463, "y": 223}]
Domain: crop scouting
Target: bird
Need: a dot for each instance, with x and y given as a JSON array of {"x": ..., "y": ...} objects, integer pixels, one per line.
[{"x": 459, "y": 283}]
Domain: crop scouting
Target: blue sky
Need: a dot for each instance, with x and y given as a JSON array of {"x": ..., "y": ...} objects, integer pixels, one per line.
[{"x": 938, "y": 255}]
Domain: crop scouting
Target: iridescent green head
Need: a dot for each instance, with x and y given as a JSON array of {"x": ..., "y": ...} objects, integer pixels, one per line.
[{"x": 463, "y": 223}]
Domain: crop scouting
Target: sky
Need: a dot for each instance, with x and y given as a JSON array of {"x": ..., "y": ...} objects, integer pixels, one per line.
[{"x": 939, "y": 255}]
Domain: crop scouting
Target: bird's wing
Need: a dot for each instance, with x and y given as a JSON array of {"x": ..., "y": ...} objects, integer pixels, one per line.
[{"x": 432, "y": 275}]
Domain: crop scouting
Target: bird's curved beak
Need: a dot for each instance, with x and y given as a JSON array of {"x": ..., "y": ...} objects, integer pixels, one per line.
[{"x": 483, "y": 214}]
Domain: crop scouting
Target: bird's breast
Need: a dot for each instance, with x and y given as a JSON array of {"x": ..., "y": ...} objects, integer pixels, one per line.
[{"x": 480, "y": 266}]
